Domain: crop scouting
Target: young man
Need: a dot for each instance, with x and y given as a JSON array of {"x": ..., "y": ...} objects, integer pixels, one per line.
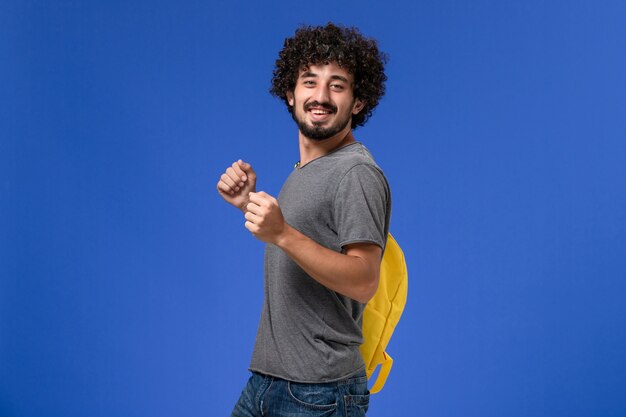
[{"x": 325, "y": 232}]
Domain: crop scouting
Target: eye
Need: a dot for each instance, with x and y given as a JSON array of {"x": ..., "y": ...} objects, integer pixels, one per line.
[
  {"x": 337, "y": 87},
  {"x": 308, "y": 83}
]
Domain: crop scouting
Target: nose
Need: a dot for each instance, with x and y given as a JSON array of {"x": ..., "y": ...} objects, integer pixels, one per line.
[{"x": 321, "y": 94}]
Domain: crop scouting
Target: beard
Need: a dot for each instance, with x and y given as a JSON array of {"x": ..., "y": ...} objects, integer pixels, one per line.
[{"x": 317, "y": 131}]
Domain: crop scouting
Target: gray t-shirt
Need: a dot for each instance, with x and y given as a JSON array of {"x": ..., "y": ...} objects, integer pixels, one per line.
[{"x": 308, "y": 333}]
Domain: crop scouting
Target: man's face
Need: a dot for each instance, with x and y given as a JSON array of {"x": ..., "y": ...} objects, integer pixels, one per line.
[{"x": 323, "y": 101}]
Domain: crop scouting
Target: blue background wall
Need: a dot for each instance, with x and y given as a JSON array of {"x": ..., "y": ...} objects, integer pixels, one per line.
[{"x": 128, "y": 288}]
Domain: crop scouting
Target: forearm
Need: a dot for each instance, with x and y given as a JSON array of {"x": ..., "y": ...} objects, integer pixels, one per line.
[{"x": 352, "y": 275}]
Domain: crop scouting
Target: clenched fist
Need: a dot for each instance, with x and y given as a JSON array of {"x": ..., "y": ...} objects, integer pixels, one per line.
[
  {"x": 236, "y": 184},
  {"x": 264, "y": 219}
]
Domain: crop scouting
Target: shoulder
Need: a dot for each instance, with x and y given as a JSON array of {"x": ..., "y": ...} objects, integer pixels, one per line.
[
  {"x": 359, "y": 171},
  {"x": 355, "y": 158}
]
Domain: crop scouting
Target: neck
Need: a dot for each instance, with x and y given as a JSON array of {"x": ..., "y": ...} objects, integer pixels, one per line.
[{"x": 311, "y": 149}]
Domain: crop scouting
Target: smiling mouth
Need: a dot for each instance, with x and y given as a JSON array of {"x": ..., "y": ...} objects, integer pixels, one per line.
[
  {"x": 319, "y": 115},
  {"x": 320, "y": 110}
]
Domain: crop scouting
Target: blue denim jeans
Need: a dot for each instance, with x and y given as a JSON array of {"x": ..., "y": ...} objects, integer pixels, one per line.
[{"x": 266, "y": 396}]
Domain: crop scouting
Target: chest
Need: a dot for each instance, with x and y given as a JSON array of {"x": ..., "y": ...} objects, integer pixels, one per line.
[{"x": 307, "y": 203}]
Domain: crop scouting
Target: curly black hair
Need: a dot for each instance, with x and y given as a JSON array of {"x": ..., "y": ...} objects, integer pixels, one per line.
[{"x": 348, "y": 48}]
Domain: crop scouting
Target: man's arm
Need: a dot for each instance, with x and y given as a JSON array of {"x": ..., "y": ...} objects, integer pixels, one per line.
[{"x": 354, "y": 273}]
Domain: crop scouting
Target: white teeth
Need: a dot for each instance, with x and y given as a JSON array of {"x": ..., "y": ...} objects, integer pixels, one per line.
[{"x": 320, "y": 112}]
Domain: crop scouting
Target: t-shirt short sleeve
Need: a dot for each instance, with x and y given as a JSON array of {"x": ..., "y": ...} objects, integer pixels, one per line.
[{"x": 360, "y": 206}]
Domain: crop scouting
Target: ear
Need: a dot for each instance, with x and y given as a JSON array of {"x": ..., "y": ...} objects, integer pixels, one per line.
[
  {"x": 290, "y": 99},
  {"x": 357, "y": 106}
]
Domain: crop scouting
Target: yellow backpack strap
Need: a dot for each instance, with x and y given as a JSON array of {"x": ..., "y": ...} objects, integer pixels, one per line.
[{"x": 385, "y": 368}]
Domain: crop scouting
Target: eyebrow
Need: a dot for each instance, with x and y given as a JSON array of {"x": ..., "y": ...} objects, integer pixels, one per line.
[{"x": 308, "y": 74}]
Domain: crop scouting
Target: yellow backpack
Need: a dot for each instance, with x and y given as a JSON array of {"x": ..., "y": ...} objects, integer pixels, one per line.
[{"x": 383, "y": 312}]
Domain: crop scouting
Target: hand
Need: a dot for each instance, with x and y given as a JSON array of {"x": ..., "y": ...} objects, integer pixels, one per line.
[
  {"x": 264, "y": 219},
  {"x": 237, "y": 183}
]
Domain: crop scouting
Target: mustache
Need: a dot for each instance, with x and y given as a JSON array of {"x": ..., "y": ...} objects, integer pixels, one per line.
[{"x": 325, "y": 106}]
